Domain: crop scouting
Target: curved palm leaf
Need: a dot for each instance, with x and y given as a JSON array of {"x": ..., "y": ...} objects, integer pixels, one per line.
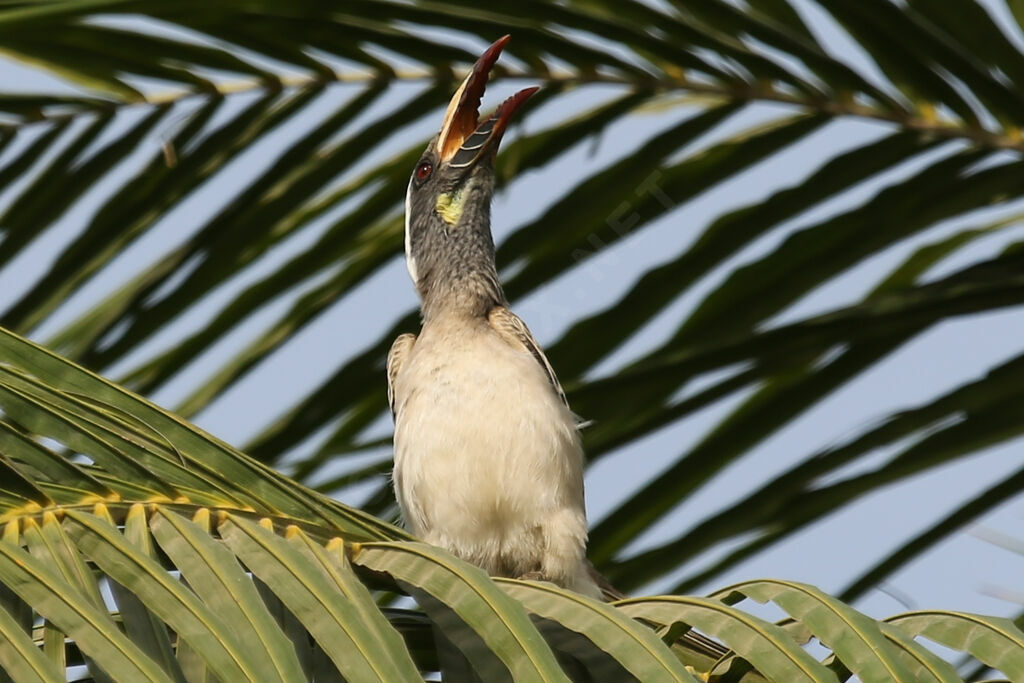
[{"x": 240, "y": 588}]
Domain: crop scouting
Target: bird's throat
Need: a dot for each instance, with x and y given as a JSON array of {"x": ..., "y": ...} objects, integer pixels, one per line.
[{"x": 458, "y": 275}]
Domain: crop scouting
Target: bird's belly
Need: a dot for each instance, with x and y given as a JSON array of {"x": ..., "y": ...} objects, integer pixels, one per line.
[{"x": 485, "y": 456}]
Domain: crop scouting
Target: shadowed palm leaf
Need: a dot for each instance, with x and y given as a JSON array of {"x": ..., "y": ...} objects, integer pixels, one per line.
[{"x": 275, "y": 578}]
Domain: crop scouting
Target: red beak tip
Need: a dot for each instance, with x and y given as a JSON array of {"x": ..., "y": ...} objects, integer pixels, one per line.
[
  {"x": 464, "y": 118},
  {"x": 489, "y": 58},
  {"x": 500, "y": 43},
  {"x": 518, "y": 98},
  {"x": 510, "y": 106}
]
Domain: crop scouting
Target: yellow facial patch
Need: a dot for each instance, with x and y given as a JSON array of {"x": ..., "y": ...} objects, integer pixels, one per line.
[{"x": 449, "y": 207}]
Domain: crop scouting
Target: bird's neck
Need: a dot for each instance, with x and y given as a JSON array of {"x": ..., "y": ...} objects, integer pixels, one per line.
[{"x": 459, "y": 277}]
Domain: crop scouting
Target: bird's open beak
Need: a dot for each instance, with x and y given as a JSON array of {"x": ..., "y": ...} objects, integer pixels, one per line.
[{"x": 464, "y": 138}]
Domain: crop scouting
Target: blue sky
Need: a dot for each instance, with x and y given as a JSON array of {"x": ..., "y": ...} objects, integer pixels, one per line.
[{"x": 955, "y": 575}]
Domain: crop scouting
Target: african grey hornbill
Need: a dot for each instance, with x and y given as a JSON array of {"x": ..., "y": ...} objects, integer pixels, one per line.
[{"x": 488, "y": 459}]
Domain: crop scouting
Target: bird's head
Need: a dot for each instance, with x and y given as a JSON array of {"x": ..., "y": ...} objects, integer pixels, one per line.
[{"x": 447, "y": 206}]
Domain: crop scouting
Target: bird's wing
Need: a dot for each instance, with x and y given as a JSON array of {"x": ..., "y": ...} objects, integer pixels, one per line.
[
  {"x": 396, "y": 356},
  {"x": 514, "y": 331},
  {"x": 690, "y": 639},
  {"x": 609, "y": 592}
]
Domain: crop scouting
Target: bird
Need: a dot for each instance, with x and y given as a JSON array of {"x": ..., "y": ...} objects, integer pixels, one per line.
[{"x": 488, "y": 457}]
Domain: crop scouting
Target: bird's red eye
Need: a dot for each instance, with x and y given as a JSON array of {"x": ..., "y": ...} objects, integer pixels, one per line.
[{"x": 424, "y": 170}]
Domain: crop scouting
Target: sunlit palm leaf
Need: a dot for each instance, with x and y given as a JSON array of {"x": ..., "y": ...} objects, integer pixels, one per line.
[{"x": 254, "y": 577}]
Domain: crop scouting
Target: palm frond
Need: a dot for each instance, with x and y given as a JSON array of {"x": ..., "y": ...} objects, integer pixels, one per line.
[{"x": 235, "y": 579}]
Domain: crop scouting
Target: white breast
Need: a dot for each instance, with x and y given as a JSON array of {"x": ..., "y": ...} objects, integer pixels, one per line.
[{"x": 488, "y": 461}]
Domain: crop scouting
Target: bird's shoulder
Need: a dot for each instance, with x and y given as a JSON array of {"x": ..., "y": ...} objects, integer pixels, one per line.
[
  {"x": 514, "y": 332},
  {"x": 397, "y": 356}
]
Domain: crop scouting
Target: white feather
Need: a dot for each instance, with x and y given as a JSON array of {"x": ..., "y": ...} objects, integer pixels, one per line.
[{"x": 410, "y": 262}]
